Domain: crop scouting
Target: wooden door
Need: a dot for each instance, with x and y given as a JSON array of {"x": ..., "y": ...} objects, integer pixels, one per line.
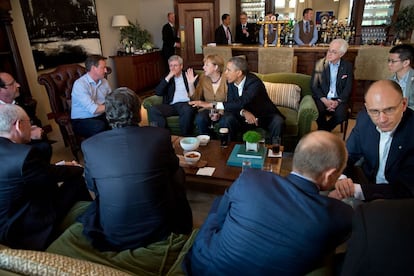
[{"x": 197, "y": 25}]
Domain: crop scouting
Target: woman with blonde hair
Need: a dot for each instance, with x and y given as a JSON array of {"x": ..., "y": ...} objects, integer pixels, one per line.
[{"x": 211, "y": 89}]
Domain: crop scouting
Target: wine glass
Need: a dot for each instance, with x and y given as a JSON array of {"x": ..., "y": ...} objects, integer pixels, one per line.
[{"x": 214, "y": 116}]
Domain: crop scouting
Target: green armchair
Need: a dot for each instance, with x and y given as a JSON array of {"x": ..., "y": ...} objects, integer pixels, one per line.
[{"x": 299, "y": 115}]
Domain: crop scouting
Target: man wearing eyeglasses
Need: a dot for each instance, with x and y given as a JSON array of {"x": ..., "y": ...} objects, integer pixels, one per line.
[
  {"x": 400, "y": 62},
  {"x": 382, "y": 145},
  {"x": 9, "y": 91},
  {"x": 332, "y": 85}
]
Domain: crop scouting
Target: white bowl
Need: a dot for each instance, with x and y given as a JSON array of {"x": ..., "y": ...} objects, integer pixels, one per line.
[
  {"x": 192, "y": 157},
  {"x": 189, "y": 143},
  {"x": 204, "y": 139}
]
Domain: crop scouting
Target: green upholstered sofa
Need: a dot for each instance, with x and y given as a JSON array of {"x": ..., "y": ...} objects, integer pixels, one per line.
[{"x": 299, "y": 115}]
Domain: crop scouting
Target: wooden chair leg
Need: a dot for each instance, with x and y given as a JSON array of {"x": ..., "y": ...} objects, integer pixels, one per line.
[{"x": 344, "y": 127}]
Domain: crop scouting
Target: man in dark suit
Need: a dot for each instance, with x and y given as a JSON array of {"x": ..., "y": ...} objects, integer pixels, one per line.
[
  {"x": 266, "y": 224},
  {"x": 245, "y": 31},
  {"x": 382, "y": 145},
  {"x": 332, "y": 86},
  {"x": 176, "y": 94},
  {"x": 222, "y": 35},
  {"x": 248, "y": 105},
  {"x": 382, "y": 239},
  {"x": 9, "y": 93},
  {"x": 170, "y": 39},
  {"x": 32, "y": 204},
  {"x": 135, "y": 176}
]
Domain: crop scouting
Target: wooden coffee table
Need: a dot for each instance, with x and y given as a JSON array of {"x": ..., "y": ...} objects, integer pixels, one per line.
[{"x": 216, "y": 157}]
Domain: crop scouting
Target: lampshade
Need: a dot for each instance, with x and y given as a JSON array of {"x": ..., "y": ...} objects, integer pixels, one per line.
[{"x": 119, "y": 21}]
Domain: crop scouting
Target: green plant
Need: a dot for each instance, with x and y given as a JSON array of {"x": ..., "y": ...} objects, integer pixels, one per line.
[
  {"x": 252, "y": 136},
  {"x": 405, "y": 19},
  {"x": 135, "y": 34}
]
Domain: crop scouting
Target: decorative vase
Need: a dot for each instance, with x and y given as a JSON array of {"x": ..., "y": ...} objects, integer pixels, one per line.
[{"x": 252, "y": 146}]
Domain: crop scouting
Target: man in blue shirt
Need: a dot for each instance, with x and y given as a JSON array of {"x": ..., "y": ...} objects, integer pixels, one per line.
[
  {"x": 88, "y": 98},
  {"x": 306, "y": 33}
]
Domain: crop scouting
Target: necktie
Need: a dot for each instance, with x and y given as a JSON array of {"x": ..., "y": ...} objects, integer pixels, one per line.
[
  {"x": 227, "y": 33},
  {"x": 307, "y": 26}
]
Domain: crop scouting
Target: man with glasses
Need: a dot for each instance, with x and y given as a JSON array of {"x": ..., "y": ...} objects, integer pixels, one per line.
[
  {"x": 400, "y": 62},
  {"x": 332, "y": 86},
  {"x": 9, "y": 91},
  {"x": 245, "y": 31},
  {"x": 382, "y": 146}
]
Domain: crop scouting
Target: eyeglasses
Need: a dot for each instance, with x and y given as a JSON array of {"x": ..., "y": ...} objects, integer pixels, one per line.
[
  {"x": 10, "y": 83},
  {"x": 335, "y": 52},
  {"x": 393, "y": 60},
  {"x": 387, "y": 111}
]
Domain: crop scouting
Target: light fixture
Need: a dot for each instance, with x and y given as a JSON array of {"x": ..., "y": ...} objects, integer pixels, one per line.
[
  {"x": 120, "y": 21},
  {"x": 336, "y": 0},
  {"x": 301, "y": 1}
]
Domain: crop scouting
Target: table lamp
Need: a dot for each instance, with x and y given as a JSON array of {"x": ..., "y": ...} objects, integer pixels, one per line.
[{"x": 120, "y": 21}]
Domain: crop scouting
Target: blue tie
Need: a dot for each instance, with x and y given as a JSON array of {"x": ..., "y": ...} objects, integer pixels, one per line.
[{"x": 307, "y": 26}]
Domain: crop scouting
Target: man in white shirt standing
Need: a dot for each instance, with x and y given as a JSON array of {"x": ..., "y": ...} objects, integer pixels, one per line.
[
  {"x": 400, "y": 62},
  {"x": 383, "y": 146}
]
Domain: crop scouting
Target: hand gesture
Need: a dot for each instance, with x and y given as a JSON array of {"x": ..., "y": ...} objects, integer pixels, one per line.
[
  {"x": 36, "y": 133},
  {"x": 189, "y": 74}
]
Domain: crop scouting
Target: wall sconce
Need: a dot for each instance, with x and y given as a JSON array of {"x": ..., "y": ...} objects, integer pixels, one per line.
[
  {"x": 120, "y": 21},
  {"x": 301, "y": 1},
  {"x": 336, "y": 0}
]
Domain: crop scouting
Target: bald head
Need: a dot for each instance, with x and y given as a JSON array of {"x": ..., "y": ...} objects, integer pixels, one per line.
[
  {"x": 317, "y": 153},
  {"x": 385, "y": 104},
  {"x": 14, "y": 123}
]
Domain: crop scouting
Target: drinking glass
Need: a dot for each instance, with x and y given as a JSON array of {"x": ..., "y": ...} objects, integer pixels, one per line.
[
  {"x": 275, "y": 144},
  {"x": 214, "y": 116},
  {"x": 246, "y": 164}
]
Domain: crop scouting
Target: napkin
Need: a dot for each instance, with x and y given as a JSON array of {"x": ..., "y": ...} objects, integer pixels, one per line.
[
  {"x": 206, "y": 171},
  {"x": 271, "y": 154}
]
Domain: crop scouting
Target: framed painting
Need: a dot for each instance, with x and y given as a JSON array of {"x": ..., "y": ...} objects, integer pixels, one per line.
[
  {"x": 61, "y": 31},
  {"x": 323, "y": 15}
]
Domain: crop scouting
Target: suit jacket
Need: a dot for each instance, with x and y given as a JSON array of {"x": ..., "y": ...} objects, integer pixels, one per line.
[
  {"x": 363, "y": 143},
  {"x": 242, "y": 38},
  {"x": 169, "y": 38},
  {"x": 167, "y": 89},
  {"x": 321, "y": 79},
  {"x": 409, "y": 89},
  {"x": 382, "y": 239},
  {"x": 29, "y": 195},
  {"x": 220, "y": 36},
  {"x": 132, "y": 170},
  {"x": 254, "y": 98},
  {"x": 264, "y": 222}
]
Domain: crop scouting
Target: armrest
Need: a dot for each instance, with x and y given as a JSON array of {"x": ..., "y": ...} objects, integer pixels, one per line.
[
  {"x": 307, "y": 113},
  {"x": 152, "y": 100}
]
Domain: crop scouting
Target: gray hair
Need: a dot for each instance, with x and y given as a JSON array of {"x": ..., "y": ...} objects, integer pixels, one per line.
[
  {"x": 240, "y": 63},
  {"x": 123, "y": 108},
  {"x": 9, "y": 115},
  {"x": 175, "y": 57},
  {"x": 317, "y": 152},
  {"x": 343, "y": 44}
]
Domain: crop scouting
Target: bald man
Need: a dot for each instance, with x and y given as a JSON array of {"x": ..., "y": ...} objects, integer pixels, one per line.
[
  {"x": 266, "y": 224},
  {"x": 382, "y": 142}
]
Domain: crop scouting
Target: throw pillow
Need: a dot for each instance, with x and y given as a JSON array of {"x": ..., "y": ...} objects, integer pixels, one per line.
[{"x": 284, "y": 94}]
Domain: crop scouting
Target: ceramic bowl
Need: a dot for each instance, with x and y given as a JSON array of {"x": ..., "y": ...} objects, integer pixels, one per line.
[
  {"x": 204, "y": 139},
  {"x": 192, "y": 157},
  {"x": 189, "y": 143}
]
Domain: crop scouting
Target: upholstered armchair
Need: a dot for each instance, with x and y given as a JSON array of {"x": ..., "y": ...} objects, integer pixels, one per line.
[{"x": 58, "y": 84}]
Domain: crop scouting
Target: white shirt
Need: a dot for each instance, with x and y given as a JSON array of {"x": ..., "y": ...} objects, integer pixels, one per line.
[{"x": 384, "y": 148}]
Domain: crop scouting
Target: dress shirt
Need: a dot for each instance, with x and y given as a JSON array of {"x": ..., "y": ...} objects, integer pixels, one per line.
[
  {"x": 228, "y": 34},
  {"x": 333, "y": 69},
  {"x": 181, "y": 94},
  {"x": 87, "y": 95},
  {"x": 384, "y": 148},
  {"x": 240, "y": 86}
]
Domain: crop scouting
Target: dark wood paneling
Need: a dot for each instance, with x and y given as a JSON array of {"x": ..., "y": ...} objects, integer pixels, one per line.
[{"x": 139, "y": 72}]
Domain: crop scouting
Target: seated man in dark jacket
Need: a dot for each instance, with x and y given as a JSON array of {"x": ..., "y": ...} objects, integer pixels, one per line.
[
  {"x": 266, "y": 224},
  {"x": 32, "y": 204}
]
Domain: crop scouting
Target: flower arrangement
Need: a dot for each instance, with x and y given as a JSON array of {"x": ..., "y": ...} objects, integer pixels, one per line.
[
  {"x": 252, "y": 136},
  {"x": 404, "y": 23},
  {"x": 134, "y": 35}
]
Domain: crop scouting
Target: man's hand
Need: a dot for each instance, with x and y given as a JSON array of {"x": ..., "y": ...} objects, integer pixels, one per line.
[
  {"x": 250, "y": 118},
  {"x": 345, "y": 187},
  {"x": 36, "y": 133}
]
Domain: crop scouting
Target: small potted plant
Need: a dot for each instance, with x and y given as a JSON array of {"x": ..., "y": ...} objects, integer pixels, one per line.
[
  {"x": 404, "y": 23},
  {"x": 252, "y": 139}
]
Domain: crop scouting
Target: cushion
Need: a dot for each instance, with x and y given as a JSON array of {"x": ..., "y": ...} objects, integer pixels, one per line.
[
  {"x": 284, "y": 94},
  {"x": 27, "y": 262},
  {"x": 155, "y": 259}
]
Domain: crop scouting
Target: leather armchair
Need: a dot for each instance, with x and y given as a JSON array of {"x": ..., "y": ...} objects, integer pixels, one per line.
[{"x": 58, "y": 84}]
